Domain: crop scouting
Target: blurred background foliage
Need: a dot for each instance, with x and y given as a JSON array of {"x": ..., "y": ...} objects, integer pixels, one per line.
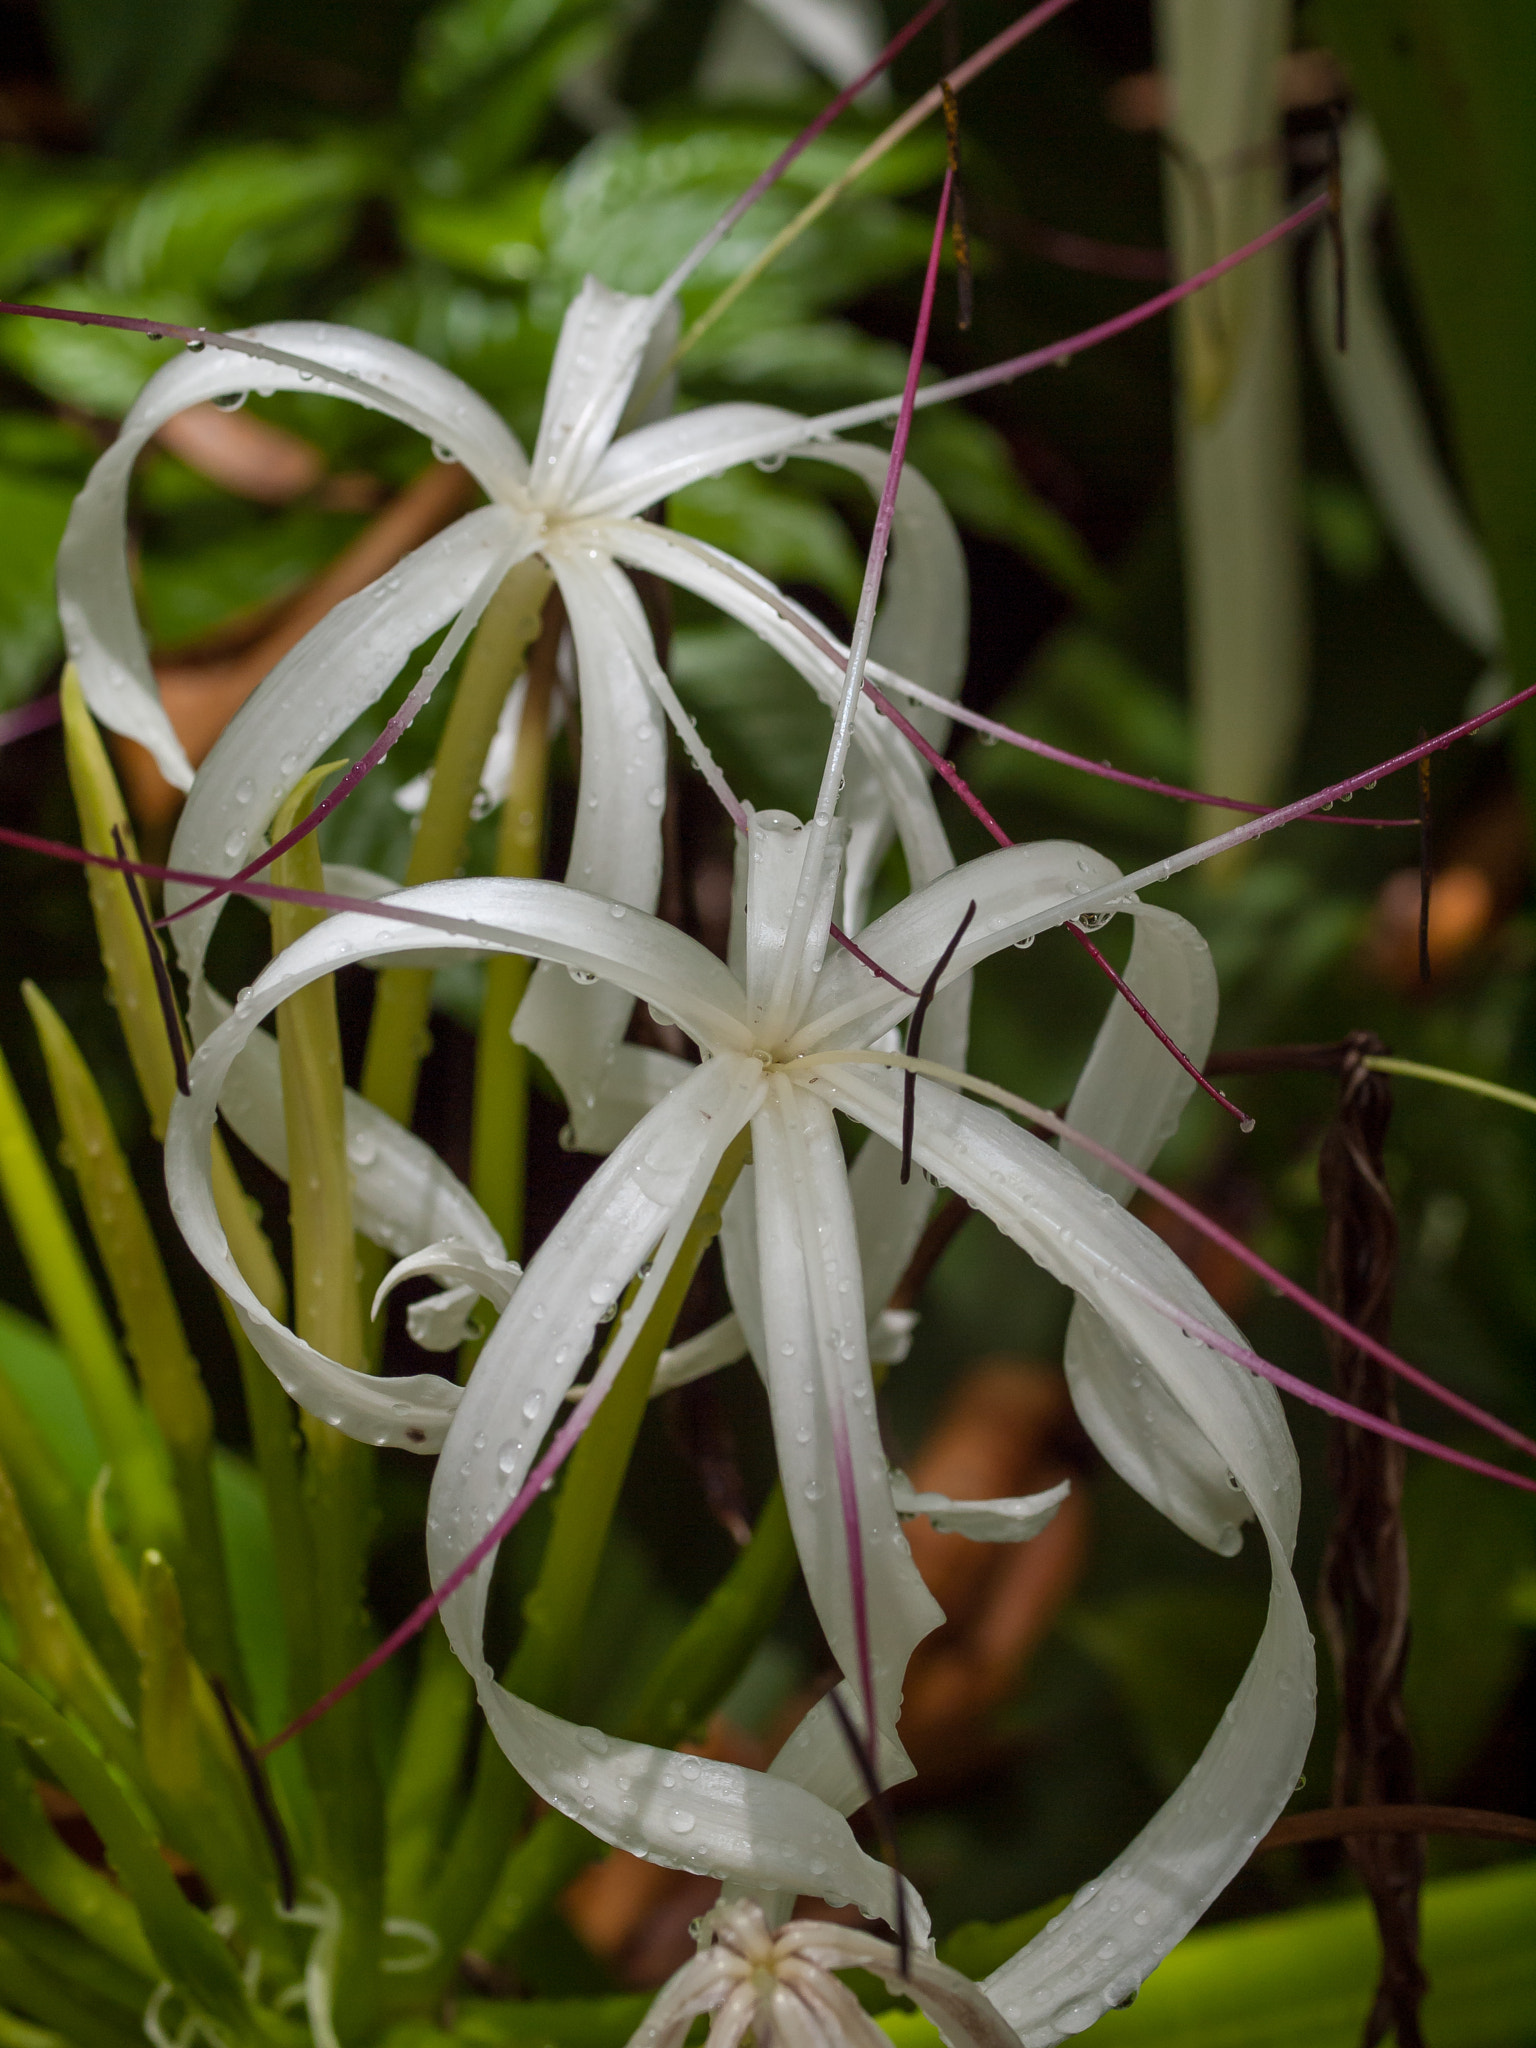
[{"x": 445, "y": 174}]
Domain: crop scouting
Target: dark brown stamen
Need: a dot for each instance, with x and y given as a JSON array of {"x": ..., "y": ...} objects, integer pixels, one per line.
[
  {"x": 261, "y": 1794},
  {"x": 959, "y": 240},
  {"x": 926, "y": 995},
  {"x": 163, "y": 989}
]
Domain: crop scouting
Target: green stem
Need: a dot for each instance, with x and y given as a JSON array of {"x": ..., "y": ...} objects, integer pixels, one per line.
[
  {"x": 403, "y": 995},
  {"x": 556, "y": 1609},
  {"x": 690, "y": 1681},
  {"x": 499, "y": 1142},
  {"x": 424, "y": 1790},
  {"x": 339, "y": 1496},
  {"x": 1447, "y": 1077}
]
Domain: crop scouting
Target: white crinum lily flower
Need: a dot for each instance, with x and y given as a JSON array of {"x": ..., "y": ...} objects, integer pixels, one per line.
[
  {"x": 1203, "y": 1438},
  {"x": 781, "y": 1985},
  {"x": 578, "y": 504}
]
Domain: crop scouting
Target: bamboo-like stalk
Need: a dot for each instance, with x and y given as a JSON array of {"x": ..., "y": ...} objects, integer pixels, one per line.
[{"x": 1238, "y": 424}]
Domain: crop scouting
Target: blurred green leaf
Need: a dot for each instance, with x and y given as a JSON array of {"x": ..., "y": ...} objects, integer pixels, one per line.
[
  {"x": 1304, "y": 1979},
  {"x": 1469, "y": 1543},
  {"x": 1177, "y": 1654},
  {"x": 139, "y": 64},
  {"x": 787, "y": 534},
  {"x": 233, "y": 219},
  {"x": 766, "y": 729},
  {"x": 498, "y": 235},
  {"x": 460, "y": 44},
  {"x": 186, "y": 593},
  {"x": 33, "y": 510},
  {"x": 47, "y": 211}
]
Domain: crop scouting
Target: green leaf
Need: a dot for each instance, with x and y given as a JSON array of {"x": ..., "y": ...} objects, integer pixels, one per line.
[
  {"x": 766, "y": 729},
  {"x": 233, "y": 219},
  {"x": 1451, "y": 90},
  {"x": 461, "y": 44},
  {"x": 790, "y": 535},
  {"x": 498, "y": 235},
  {"x": 33, "y": 510},
  {"x": 1305, "y": 1979},
  {"x": 47, "y": 211},
  {"x": 190, "y": 591}
]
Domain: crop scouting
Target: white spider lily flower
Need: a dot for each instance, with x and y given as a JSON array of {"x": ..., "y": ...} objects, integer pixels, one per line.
[
  {"x": 1201, "y": 1435},
  {"x": 781, "y": 1985},
  {"x": 578, "y": 504}
]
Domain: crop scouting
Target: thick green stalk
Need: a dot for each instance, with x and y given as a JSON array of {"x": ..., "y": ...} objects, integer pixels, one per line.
[
  {"x": 68, "y": 1293},
  {"x": 339, "y": 1748},
  {"x": 61, "y": 1949},
  {"x": 157, "y": 1342},
  {"x": 38, "y": 1991},
  {"x": 403, "y": 998},
  {"x": 499, "y": 1144},
  {"x": 690, "y": 1681},
  {"x": 198, "y": 1783},
  {"x": 424, "y": 1790},
  {"x": 555, "y": 1611}
]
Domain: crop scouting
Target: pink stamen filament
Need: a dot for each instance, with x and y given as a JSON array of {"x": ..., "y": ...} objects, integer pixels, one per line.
[
  {"x": 781, "y": 163},
  {"x": 858, "y": 1585},
  {"x": 27, "y": 719},
  {"x": 1207, "y": 1228},
  {"x": 973, "y": 803}
]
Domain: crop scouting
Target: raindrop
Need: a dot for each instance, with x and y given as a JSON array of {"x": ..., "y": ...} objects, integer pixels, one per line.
[
  {"x": 770, "y": 465},
  {"x": 245, "y": 789},
  {"x": 616, "y": 910},
  {"x": 533, "y": 1404},
  {"x": 195, "y": 348},
  {"x": 581, "y": 976},
  {"x": 1141, "y": 1916},
  {"x": 1023, "y": 945},
  {"x": 231, "y": 401},
  {"x": 443, "y": 454},
  {"x": 362, "y": 1149},
  {"x": 234, "y": 844},
  {"x": 507, "y": 1456}
]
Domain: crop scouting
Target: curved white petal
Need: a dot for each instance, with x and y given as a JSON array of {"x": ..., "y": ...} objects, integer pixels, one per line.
[
  {"x": 1011, "y": 1519},
  {"x": 682, "y": 1811},
  {"x": 961, "y": 2011},
  {"x": 1131, "y": 1094},
  {"x": 1379, "y": 408},
  {"x": 641, "y": 468},
  {"x": 487, "y": 916},
  {"x": 603, "y": 340},
  {"x": 821, "y": 1392},
  {"x": 1130, "y": 1097},
  {"x": 616, "y": 847},
  {"x": 1018, "y": 891},
  {"x": 720, "y": 1345},
  {"x": 403, "y": 1195},
  {"x": 337, "y": 671},
  {"x": 711, "y": 575},
  {"x": 442, "y": 1321},
  {"x": 1119, "y": 1927},
  {"x": 636, "y": 1079},
  {"x": 96, "y": 605}
]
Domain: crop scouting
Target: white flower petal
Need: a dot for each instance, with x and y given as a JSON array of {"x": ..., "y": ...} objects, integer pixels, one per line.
[
  {"x": 616, "y": 846},
  {"x": 442, "y": 1321},
  {"x": 403, "y": 1195},
  {"x": 636, "y": 1079},
  {"x": 640, "y": 469},
  {"x": 684, "y": 1811},
  {"x": 1130, "y": 1094},
  {"x": 720, "y": 1345},
  {"x": 336, "y": 672},
  {"x": 714, "y": 576},
  {"x": 1119, "y": 1927},
  {"x": 1018, "y": 891},
  {"x": 482, "y": 917},
  {"x": 820, "y": 1388},
  {"x": 958, "y": 2008},
  {"x": 603, "y": 339},
  {"x": 1011, "y": 1519},
  {"x": 96, "y": 604}
]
